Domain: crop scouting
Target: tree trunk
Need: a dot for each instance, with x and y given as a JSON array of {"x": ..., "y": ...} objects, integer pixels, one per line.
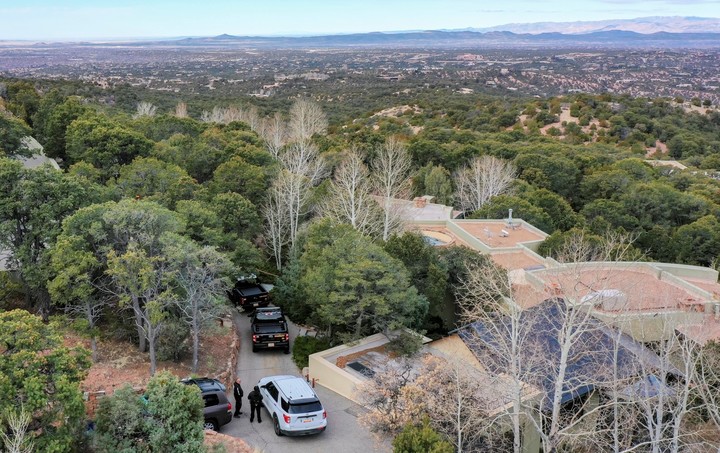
[
  {"x": 43, "y": 304},
  {"x": 358, "y": 326},
  {"x": 386, "y": 220},
  {"x": 196, "y": 345},
  {"x": 139, "y": 324},
  {"x": 151, "y": 342},
  {"x": 557, "y": 397}
]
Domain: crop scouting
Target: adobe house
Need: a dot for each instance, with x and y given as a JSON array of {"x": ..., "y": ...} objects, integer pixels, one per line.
[{"x": 630, "y": 303}]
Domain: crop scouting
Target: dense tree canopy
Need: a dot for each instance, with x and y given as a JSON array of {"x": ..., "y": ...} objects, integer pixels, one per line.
[
  {"x": 144, "y": 200},
  {"x": 168, "y": 417},
  {"x": 42, "y": 377},
  {"x": 32, "y": 206},
  {"x": 357, "y": 288},
  {"x": 104, "y": 143},
  {"x": 12, "y": 131}
]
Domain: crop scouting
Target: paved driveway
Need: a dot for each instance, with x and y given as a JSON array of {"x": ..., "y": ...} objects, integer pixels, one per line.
[{"x": 344, "y": 434}]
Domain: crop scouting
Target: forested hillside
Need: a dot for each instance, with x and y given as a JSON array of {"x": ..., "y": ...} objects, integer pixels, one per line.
[
  {"x": 157, "y": 209},
  {"x": 579, "y": 161}
]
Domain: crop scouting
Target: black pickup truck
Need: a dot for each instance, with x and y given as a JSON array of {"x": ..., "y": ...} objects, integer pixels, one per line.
[
  {"x": 248, "y": 293},
  {"x": 270, "y": 330}
]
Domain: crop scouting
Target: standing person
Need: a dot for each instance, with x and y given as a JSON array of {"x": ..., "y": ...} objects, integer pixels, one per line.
[
  {"x": 255, "y": 402},
  {"x": 238, "y": 393}
]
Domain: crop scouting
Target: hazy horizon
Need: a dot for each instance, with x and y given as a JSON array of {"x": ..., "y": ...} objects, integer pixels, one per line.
[{"x": 126, "y": 19}]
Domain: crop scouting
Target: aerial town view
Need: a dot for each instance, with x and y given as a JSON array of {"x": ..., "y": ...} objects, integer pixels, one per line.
[{"x": 360, "y": 226}]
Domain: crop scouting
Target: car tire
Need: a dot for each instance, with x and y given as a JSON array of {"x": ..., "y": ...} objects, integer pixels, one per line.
[
  {"x": 211, "y": 424},
  {"x": 287, "y": 350},
  {"x": 276, "y": 426},
  {"x": 255, "y": 349}
]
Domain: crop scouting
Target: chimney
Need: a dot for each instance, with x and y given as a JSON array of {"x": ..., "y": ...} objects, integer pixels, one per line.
[{"x": 420, "y": 202}]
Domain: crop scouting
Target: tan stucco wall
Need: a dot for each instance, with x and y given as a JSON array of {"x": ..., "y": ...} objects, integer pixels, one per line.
[{"x": 331, "y": 377}]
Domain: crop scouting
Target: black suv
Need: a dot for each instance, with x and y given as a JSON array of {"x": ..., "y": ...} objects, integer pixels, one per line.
[
  {"x": 248, "y": 293},
  {"x": 269, "y": 329},
  {"x": 218, "y": 410}
]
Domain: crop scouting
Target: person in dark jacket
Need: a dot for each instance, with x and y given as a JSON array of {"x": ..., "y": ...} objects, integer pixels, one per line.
[
  {"x": 255, "y": 402},
  {"x": 238, "y": 393}
]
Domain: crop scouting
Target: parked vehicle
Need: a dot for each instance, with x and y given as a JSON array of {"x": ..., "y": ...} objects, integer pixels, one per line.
[
  {"x": 294, "y": 407},
  {"x": 248, "y": 293},
  {"x": 269, "y": 329},
  {"x": 218, "y": 410}
]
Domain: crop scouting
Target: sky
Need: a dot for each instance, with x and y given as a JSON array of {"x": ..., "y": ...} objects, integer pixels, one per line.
[{"x": 101, "y": 19}]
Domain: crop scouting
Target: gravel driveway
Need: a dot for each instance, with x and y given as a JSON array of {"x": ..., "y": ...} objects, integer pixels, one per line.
[{"x": 344, "y": 434}]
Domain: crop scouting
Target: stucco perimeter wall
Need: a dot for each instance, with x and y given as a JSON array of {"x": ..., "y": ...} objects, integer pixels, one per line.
[
  {"x": 533, "y": 245},
  {"x": 687, "y": 271},
  {"x": 327, "y": 374},
  {"x": 535, "y": 278},
  {"x": 468, "y": 238},
  {"x": 424, "y": 223},
  {"x": 648, "y": 326},
  {"x": 677, "y": 281}
]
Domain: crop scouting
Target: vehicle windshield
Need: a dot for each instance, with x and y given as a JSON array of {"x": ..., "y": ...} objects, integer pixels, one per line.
[
  {"x": 304, "y": 408},
  {"x": 268, "y": 316}
]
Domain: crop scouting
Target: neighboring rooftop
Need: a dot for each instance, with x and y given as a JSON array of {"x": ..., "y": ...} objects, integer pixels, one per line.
[
  {"x": 641, "y": 286},
  {"x": 421, "y": 209},
  {"x": 518, "y": 260},
  {"x": 438, "y": 232},
  {"x": 712, "y": 287},
  {"x": 501, "y": 233}
]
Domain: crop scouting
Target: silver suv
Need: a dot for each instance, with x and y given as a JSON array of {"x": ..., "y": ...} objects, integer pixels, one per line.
[{"x": 293, "y": 406}]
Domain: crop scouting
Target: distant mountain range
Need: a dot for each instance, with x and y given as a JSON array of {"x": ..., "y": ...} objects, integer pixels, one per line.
[
  {"x": 645, "y": 25},
  {"x": 655, "y": 32},
  {"x": 460, "y": 39}
]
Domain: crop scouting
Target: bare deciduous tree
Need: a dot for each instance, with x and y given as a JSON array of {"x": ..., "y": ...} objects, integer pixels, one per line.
[
  {"x": 708, "y": 384},
  {"x": 290, "y": 194},
  {"x": 250, "y": 116},
  {"x": 16, "y": 438},
  {"x": 181, "y": 110},
  {"x": 444, "y": 389},
  {"x": 208, "y": 117},
  {"x": 277, "y": 221},
  {"x": 350, "y": 200},
  {"x": 572, "y": 327},
  {"x": 663, "y": 399},
  {"x": 274, "y": 133},
  {"x": 304, "y": 169},
  {"x": 455, "y": 402},
  {"x": 306, "y": 120},
  {"x": 226, "y": 115},
  {"x": 485, "y": 294},
  {"x": 145, "y": 109},
  {"x": 389, "y": 397},
  {"x": 391, "y": 168},
  {"x": 484, "y": 178}
]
